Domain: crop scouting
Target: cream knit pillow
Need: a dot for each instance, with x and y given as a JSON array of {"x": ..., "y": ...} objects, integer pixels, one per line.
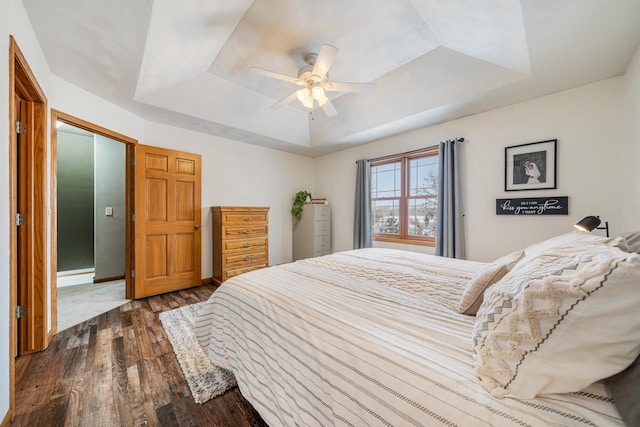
[
  {"x": 559, "y": 321},
  {"x": 473, "y": 294}
]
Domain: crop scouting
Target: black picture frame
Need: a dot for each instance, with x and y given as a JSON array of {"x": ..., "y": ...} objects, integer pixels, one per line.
[{"x": 531, "y": 166}]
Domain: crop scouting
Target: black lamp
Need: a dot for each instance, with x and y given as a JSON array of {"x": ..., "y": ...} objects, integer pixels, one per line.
[{"x": 589, "y": 223}]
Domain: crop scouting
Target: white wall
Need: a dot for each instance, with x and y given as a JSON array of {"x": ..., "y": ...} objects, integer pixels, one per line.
[
  {"x": 239, "y": 174},
  {"x": 71, "y": 99},
  {"x": 631, "y": 135},
  {"x": 587, "y": 122},
  {"x": 109, "y": 191}
]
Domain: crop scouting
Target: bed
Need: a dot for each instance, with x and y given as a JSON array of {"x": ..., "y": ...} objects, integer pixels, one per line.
[{"x": 371, "y": 337}]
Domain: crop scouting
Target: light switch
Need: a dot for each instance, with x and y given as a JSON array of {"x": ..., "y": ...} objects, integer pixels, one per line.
[{"x": 108, "y": 211}]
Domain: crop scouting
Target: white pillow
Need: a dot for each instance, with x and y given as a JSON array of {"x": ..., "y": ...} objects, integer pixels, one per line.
[
  {"x": 573, "y": 237},
  {"x": 473, "y": 294},
  {"x": 633, "y": 240},
  {"x": 559, "y": 321}
]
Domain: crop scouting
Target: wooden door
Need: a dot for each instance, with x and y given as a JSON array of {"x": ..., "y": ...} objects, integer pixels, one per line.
[
  {"x": 31, "y": 299},
  {"x": 22, "y": 250},
  {"x": 168, "y": 212}
]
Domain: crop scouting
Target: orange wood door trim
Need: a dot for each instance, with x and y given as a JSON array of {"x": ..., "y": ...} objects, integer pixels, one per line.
[{"x": 131, "y": 143}]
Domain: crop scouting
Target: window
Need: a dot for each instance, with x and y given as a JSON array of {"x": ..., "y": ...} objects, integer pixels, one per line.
[{"x": 404, "y": 197}]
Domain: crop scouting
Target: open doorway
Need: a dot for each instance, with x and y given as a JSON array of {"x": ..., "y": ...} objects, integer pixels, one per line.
[
  {"x": 91, "y": 224},
  {"x": 92, "y": 251}
]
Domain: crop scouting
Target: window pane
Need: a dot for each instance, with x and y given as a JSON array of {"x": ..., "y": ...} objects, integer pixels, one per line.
[
  {"x": 385, "y": 180},
  {"x": 423, "y": 176},
  {"x": 422, "y": 214},
  {"x": 385, "y": 216}
]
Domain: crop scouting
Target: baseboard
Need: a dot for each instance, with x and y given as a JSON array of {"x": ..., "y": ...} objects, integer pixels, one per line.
[
  {"x": 108, "y": 279},
  {"x": 207, "y": 281},
  {"x": 74, "y": 279},
  {"x": 7, "y": 419}
]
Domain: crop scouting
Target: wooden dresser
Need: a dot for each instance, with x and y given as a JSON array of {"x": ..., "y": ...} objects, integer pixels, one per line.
[
  {"x": 312, "y": 235},
  {"x": 240, "y": 240}
]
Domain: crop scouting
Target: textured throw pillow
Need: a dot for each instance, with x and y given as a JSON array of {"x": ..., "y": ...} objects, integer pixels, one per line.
[
  {"x": 625, "y": 390},
  {"x": 559, "y": 321},
  {"x": 473, "y": 295}
]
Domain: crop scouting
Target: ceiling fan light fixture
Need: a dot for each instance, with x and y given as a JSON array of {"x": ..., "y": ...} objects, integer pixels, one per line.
[
  {"x": 318, "y": 92},
  {"x": 303, "y": 94},
  {"x": 313, "y": 81}
]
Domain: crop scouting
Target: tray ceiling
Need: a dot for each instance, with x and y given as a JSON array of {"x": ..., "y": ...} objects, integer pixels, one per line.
[{"x": 186, "y": 63}]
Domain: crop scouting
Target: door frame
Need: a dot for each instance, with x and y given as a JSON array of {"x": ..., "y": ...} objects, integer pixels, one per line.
[
  {"x": 22, "y": 82},
  {"x": 131, "y": 144}
]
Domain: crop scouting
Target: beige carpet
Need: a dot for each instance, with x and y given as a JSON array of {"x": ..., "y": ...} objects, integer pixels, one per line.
[{"x": 82, "y": 302}]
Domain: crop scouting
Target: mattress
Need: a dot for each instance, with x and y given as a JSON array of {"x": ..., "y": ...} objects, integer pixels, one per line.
[{"x": 366, "y": 338}]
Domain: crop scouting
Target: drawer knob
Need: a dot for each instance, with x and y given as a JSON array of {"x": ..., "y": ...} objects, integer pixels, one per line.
[
  {"x": 247, "y": 218},
  {"x": 247, "y": 258},
  {"x": 247, "y": 245},
  {"x": 247, "y": 231}
]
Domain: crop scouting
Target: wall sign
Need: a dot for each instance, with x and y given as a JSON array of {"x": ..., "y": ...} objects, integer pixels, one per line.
[{"x": 533, "y": 206}]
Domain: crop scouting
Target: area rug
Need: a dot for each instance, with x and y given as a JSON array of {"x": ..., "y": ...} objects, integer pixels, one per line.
[{"x": 205, "y": 379}]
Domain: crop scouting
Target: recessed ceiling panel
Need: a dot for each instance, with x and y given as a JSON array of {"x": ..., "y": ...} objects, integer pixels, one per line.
[
  {"x": 489, "y": 30},
  {"x": 183, "y": 39},
  {"x": 374, "y": 38},
  {"x": 95, "y": 45}
]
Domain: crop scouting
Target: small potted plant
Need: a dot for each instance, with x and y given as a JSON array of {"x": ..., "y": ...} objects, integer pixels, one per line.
[{"x": 298, "y": 205}]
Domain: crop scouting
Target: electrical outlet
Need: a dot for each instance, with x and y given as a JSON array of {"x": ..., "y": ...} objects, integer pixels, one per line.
[{"x": 108, "y": 211}]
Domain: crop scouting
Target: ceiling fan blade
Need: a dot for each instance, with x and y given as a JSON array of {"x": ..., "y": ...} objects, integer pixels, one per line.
[
  {"x": 274, "y": 75},
  {"x": 349, "y": 87},
  {"x": 324, "y": 61},
  {"x": 329, "y": 109},
  {"x": 289, "y": 99}
]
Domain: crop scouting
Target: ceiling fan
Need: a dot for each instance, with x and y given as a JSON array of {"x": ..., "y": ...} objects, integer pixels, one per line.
[{"x": 314, "y": 81}]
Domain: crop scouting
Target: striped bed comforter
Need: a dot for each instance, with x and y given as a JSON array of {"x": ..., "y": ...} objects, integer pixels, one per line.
[{"x": 366, "y": 338}]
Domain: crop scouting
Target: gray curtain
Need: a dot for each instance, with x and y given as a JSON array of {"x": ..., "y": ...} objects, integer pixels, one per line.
[
  {"x": 362, "y": 217},
  {"x": 450, "y": 233}
]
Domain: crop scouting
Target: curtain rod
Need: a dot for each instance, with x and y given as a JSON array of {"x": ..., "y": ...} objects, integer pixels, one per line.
[{"x": 390, "y": 156}]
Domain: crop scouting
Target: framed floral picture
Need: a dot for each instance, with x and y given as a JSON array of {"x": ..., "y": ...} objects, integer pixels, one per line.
[{"x": 531, "y": 166}]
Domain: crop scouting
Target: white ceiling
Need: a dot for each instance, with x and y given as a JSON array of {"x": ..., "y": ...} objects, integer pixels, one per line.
[{"x": 186, "y": 62}]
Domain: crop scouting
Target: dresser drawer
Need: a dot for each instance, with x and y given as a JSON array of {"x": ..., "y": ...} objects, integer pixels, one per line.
[
  {"x": 240, "y": 218},
  {"x": 321, "y": 228},
  {"x": 246, "y": 245},
  {"x": 322, "y": 244},
  {"x": 235, "y": 272},
  {"x": 251, "y": 230},
  {"x": 247, "y": 258}
]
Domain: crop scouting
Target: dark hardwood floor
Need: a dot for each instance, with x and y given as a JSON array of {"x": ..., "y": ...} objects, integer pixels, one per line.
[{"x": 118, "y": 369}]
